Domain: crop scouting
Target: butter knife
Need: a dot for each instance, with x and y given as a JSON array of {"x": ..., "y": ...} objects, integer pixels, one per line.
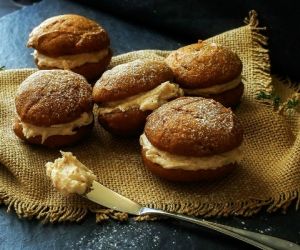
[{"x": 110, "y": 199}]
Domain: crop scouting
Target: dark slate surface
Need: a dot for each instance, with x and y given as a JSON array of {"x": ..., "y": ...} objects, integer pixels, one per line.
[{"x": 169, "y": 234}]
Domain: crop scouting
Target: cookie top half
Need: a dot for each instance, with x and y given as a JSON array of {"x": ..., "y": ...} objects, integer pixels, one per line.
[
  {"x": 67, "y": 35},
  {"x": 130, "y": 79},
  {"x": 49, "y": 97},
  {"x": 194, "y": 126},
  {"x": 204, "y": 64}
]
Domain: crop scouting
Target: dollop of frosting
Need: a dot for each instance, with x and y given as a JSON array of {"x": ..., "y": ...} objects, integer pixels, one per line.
[{"x": 69, "y": 175}]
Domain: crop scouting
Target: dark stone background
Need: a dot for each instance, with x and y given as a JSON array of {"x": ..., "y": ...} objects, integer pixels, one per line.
[{"x": 139, "y": 25}]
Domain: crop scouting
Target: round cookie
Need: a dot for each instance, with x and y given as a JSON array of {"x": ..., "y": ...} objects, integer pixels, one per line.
[
  {"x": 71, "y": 42},
  {"x": 130, "y": 122},
  {"x": 192, "y": 138},
  {"x": 208, "y": 70},
  {"x": 129, "y": 79},
  {"x": 129, "y": 92},
  {"x": 54, "y": 108}
]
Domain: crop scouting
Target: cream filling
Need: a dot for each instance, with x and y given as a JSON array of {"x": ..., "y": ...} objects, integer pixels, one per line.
[
  {"x": 147, "y": 100},
  {"x": 30, "y": 130},
  {"x": 216, "y": 89},
  {"x": 69, "y": 61},
  {"x": 171, "y": 161},
  {"x": 69, "y": 175}
]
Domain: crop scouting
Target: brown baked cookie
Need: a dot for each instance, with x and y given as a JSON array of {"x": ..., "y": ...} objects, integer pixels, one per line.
[
  {"x": 189, "y": 136},
  {"x": 124, "y": 123},
  {"x": 71, "y": 42},
  {"x": 207, "y": 69},
  {"x": 129, "y": 92},
  {"x": 129, "y": 79},
  {"x": 68, "y": 34},
  {"x": 53, "y": 103},
  {"x": 230, "y": 98}
]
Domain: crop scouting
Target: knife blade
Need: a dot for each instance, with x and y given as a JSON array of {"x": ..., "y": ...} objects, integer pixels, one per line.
[{"x": 108, "y": 198}]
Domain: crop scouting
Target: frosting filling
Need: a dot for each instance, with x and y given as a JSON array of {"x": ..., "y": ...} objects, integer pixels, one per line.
[
  {"x": 30, "y": 130},
  {"x": 172, "y": 161},
  {"x": 149, "y": 100},
  {"x": 216, "y": 89},
  {"x": 69, "y": 175},
  {"x": 69, "y": 61}
]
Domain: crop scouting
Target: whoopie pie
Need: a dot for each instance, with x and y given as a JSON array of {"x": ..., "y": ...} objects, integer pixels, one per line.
[
  {"x": 54, "y": 108},
  {"x": 129, "y": 92},
  {"x": 71, "y": 42},
  {"x": 192, "y": 139},
  {"x": 208, "y": 70}
]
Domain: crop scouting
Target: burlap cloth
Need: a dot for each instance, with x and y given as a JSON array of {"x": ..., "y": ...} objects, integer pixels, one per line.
[{"x": 269, "y": 176}]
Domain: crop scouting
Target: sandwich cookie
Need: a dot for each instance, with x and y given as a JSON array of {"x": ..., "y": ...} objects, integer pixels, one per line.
[
  {"x": 192, "y": 139},
  {"x": 54, "y": 108},
  {"x": 71, "y": 42},
  {"x": 208, "y": 70},
  {"x": 129, "y": 92}
]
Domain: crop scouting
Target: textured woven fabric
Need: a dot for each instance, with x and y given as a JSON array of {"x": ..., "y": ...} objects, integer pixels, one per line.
[{"x": 269, "y": 176}]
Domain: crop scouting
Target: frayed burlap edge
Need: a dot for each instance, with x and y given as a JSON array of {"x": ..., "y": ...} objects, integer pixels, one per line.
[
  {"x": 237, "y": 208},
  {"x": 244, "y": 208},
  {"x": 42, "y": 212},
  {"x": 248, "y": 207},
  {"x": 291, "y": 103},
  {"x": 53, "y": 214},
  {"x": 265, "y": 90},
  {"x": 287, "y": 103},
  {"x": 261, "y": 71}
]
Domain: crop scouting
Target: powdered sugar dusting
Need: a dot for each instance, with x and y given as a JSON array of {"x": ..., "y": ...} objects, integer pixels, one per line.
[
  {"x": 131, "y": 78},
  {"x": 53, "y": 96},
  {"x": 133, "y": 235},
  {"x": 194, "y": 126}
]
